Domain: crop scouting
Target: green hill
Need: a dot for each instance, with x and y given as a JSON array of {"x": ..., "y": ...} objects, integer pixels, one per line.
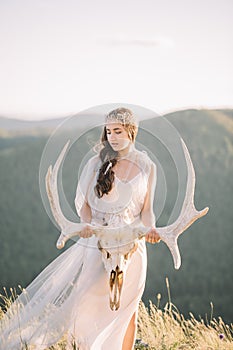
[
  {"x": 28, "y": 237},
  {"x": 206, "y": 273}
]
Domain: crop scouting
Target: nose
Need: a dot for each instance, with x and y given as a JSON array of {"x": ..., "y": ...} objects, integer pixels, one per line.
[{"x": 111, "y": 137}]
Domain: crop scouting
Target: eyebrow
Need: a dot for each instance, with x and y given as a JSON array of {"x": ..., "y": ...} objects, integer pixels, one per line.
[{"x": 113, "y": 129}]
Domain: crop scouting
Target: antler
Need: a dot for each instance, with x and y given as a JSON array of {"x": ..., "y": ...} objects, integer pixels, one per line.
[
  {"x": 188, "y": 215},
  {"x": 68, "y": 228},
  {"x": 169, "y": 234}
]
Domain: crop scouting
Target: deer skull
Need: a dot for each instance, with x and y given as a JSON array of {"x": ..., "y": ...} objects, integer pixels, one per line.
[{"x": 116, "y": 261}]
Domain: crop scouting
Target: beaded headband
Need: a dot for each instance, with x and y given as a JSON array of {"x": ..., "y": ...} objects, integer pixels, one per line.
[{"x": 121, "y": 115}]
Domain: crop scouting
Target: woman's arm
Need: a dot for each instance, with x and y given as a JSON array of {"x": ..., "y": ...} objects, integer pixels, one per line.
[
  {"x": 147, "y": 213},
  {"x": 85, "y": 213},
  {"x": 85, "y": 216},
  {"x": 81, "y": 204}
]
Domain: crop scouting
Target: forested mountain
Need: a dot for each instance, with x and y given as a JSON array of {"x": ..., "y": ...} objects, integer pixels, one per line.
[{"x": 28, "y": 237}]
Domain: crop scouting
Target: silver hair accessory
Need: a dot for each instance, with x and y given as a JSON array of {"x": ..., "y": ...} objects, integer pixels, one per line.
[
  {"x": 121, "y": 115},
  {"x": 108, "y": 167}
]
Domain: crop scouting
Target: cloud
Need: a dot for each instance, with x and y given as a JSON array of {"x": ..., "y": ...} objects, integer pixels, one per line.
[{"x": 145, "y": 43}]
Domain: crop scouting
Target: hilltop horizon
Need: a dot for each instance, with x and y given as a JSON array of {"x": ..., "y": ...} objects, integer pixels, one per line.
[{"x": 43, "y": 117}]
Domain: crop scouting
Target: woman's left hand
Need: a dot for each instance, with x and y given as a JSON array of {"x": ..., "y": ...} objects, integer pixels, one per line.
[{"x": 152, "y": 236}]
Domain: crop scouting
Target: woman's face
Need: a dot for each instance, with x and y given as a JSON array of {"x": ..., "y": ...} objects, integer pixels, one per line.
[{"x": 117, "y": 136}]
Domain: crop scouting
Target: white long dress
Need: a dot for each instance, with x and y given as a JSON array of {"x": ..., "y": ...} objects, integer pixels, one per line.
[{"x": 71, "y": 295}]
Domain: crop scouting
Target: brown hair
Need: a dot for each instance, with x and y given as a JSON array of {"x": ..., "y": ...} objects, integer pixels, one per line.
[{"x": 107, "y": 155}]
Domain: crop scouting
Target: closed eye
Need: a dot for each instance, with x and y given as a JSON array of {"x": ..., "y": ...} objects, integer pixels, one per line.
[{"x": 116, "y": 132}]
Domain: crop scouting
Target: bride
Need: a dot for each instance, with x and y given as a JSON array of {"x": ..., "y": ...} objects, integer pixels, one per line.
[{"x": 70, "y": 296}]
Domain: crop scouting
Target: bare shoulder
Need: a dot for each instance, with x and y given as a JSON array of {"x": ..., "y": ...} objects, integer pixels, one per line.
[
  {"x": 145, "y": 162},
  {"x": 88, "y": 167},
  {"x": 94, "y": 159},
  {"x": 93, "y": 162}
]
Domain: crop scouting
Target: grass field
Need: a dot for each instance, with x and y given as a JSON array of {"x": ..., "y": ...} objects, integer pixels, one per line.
[{"x": 167, "y": 329}]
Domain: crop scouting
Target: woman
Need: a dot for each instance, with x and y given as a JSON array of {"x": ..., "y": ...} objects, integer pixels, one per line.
[
  {"x": 70, "y": 296},
  {"x": 119, "y": 163}
]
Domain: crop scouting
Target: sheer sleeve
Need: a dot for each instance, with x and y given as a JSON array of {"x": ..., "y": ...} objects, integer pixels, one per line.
[
  {"x": 146, "y": 165},
  {"x": 150, "y": 170},
  {"x": 85, "y": 181}
]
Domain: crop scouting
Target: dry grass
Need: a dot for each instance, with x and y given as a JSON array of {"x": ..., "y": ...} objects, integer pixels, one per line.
[{"x": 167, "y": 329}]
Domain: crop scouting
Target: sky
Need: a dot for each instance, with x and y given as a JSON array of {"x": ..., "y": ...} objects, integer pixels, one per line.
[{"x": 60, "y": 57}]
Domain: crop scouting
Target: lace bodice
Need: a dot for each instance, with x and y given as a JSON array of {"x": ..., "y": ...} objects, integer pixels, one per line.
[{"x": 122, "y": 206}]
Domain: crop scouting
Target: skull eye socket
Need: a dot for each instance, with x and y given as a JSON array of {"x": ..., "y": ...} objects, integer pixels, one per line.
[{"x": 108, "y": 255}]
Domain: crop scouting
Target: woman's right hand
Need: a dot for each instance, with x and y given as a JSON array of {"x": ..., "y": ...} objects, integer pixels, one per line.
[{"x": 86, "y": 232}]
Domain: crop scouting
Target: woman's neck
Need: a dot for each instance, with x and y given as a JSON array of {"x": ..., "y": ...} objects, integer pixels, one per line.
[{"x": 125, "y": 151}]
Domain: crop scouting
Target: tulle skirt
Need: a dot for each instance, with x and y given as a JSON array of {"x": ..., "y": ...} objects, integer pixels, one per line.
[{"x": 71, "y": 297}]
